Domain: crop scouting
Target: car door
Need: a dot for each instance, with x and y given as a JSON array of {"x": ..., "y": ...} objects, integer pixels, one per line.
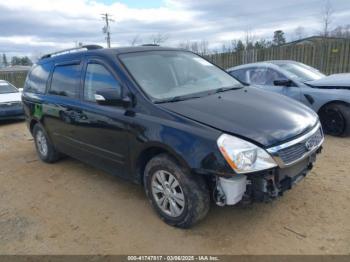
[
  {"x": 61, "y": 107},
  {"x": 101, "y": 130},
  {"x": 265, "y": 77}
]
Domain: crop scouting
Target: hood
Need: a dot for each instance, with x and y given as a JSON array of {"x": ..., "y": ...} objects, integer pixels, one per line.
[
  {"x": 260, "y": 116},
  {"x": 10, "y": 97},
  {"x": 339, "y": 81}
]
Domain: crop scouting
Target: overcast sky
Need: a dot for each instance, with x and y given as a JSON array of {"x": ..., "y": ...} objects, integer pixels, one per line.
[{"x": 32, "y": 27}]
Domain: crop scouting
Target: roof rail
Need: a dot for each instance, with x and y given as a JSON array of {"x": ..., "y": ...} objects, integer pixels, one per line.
[
  {"x": 150, "y": 45},
  {"x": 71, "y": 50}
]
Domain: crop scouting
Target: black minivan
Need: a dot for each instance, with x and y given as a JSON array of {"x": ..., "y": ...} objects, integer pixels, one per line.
[{"x": 172, "y": 121}]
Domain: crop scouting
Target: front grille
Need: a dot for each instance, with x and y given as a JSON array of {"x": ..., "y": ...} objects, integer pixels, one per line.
[
  {"x": 295, "y": 152},
  {"x": 290, "y": 154}
]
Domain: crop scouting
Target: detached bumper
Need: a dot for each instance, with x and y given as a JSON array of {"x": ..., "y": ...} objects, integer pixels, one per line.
[
  {"x": 294, "y": 159},
  {"x": 273, "y": 183}
]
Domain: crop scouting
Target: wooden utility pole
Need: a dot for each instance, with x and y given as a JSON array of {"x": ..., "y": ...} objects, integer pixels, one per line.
[{"x": 106, "y": 28}]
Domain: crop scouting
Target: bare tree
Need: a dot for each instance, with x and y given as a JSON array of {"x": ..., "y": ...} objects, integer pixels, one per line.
[
  {"x": 203, "y": 47},
  {"x": 233, "y": 45},
  {"x": 327, "y": 15},
  {"x": 159, "y": 38},
  {"x": 185, "y": 45},
  {"x": 299, "y": 32},
  {"x": 346, "y": 31},
  {"x": 249, "y": 39},
  {"x": 198, "y": 47},
  {"x": 341, "y": 31},
  {"x": 194, "y": 47},
  {"x": 136, "y": 40}
]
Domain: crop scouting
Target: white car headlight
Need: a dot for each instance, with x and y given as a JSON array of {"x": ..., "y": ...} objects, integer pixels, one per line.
[{"x": 242, "y": 156}]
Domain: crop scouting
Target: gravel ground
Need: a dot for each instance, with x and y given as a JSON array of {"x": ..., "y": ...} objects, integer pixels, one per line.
[{"x": 71, "y": 208}]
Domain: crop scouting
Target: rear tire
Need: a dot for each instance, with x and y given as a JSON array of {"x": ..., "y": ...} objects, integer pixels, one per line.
[
  {"x": 335, "y": 119},
  {"x": 180, "y": 198},
  {"x": 45, "y": 149}
]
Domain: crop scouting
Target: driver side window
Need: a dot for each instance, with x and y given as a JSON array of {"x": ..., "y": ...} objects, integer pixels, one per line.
[
  {"x": 264, "y": 76},
  {"x": 273, "y": 75},
  {"x": 97, "y": 77},
  {"x": 256, "y": 76}
]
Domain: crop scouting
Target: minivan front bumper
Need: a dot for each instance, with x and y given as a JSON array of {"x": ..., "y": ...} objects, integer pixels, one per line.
[
  {"x": 290, "y": 153},
  {"x": 294, "y": 158},
  {"x": 271, "y": 184}
]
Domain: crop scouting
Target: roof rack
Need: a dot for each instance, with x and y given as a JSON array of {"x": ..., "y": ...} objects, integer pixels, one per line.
[
  {"x": 150, "y": 45},
  {"x": 71, "y": 50}
]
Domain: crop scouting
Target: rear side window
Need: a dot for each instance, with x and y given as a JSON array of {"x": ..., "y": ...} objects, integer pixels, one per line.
[
  {"x": 65, "y": 81},
  {"x": 98, "y": 77},
  {"x": 37, "y": 79}
]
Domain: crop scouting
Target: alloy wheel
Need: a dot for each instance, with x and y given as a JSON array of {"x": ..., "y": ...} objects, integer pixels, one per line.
[{"x": 333, "y": 122}]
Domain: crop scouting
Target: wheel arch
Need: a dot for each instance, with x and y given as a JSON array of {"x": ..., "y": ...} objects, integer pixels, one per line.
[
  {"x": 32, "y": 123},
  {"x": 151, "y": 151},
  {"x": 330, "y": 103}
]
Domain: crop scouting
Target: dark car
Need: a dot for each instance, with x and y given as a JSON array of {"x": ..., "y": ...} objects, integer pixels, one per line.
[
  {"x": 10, "y": 101},
  {"x": 173, "y": 122},
  {"x": 329, "y": 96}
]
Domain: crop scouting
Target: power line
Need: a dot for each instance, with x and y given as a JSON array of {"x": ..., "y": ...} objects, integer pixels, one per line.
[{"x": 106, "y": 28}]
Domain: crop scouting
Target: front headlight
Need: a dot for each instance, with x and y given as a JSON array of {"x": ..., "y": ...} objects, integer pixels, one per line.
[{"x": 242, "y": 156}]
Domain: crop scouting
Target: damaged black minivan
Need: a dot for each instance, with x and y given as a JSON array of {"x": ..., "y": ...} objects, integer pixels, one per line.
[{"x": 172, "y": 121}]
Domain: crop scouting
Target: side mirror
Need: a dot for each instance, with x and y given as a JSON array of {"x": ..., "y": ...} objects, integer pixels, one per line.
[
  {"x": 284, "y": 82},
  {"x": 111, "y": 97}
]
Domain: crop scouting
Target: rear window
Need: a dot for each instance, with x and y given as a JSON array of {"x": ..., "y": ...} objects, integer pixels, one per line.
[
  {"x": 65, "y": 80},
  {"x": 37, "y": 79}
]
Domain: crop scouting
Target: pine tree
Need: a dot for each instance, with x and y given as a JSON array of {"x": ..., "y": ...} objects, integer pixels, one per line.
[
  {"x": 4, "y": 60},
  {"x": 240, "y": 46},
  {"x": 278, "y": 38}
]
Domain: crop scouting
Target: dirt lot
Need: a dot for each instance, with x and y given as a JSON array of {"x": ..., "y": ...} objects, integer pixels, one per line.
[{"x": 71, "y": 208}]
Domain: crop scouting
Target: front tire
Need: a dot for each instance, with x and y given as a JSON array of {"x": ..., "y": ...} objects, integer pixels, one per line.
[
  {"x": 180, "y": 198},
  {"x": 335, "y": 119},
  {"x": 45, "y": 149}
]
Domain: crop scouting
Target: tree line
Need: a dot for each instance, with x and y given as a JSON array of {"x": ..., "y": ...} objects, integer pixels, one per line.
[
  {"x": 15, "y": 60},
  {"x": 250, "y": 40}
]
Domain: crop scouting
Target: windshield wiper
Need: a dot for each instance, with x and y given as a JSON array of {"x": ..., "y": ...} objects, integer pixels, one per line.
[
  {"x": 224, "y": 89},
  {"x": 176, "y": 99},
  {"x": 182, "y": 98}
]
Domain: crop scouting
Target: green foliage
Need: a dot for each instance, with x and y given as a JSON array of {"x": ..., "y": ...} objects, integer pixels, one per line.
[
  {"x": 25, "y": 61},
  {"x": 4, "y": 60},
  {"x": 278, "y": 38},
  {"x": 240, "y": 46},
  {"x": 261, "y": 44}
]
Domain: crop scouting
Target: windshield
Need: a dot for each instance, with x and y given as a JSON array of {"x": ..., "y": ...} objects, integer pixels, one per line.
[
  {"x": 166, "y": 75},
  {"x": 6, "y": 88},
  {"x": 301, "y": 72}
]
